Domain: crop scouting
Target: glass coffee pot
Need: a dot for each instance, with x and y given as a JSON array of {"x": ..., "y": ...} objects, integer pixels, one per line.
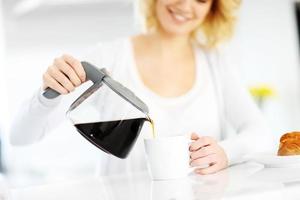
[{"x": 107, "y": 114}]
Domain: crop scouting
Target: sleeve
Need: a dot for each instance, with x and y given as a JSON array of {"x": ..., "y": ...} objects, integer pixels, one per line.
[
  {"x": 32, "y": 119},
  {"x": 37, "y": 115},
  {"x": 252, "y": 133}
]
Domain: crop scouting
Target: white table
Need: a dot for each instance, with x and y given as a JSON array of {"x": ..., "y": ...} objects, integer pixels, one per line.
[{"x": 244, "y": 181}]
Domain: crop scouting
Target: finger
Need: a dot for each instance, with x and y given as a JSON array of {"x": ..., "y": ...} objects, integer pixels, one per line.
[
  {"x": 207, "y": 160},
  {"x": 208, "y": 170},
  {"x": 52, "y": 83},
  {"x": 68, "y": 71},
  {"x": 201, "y": 142},
  {"x": 204, "y": 151},
  {"x": 76, "y": 65},
  {"x": 61, "y": 78},
  {"x": 194, "y": 136}
]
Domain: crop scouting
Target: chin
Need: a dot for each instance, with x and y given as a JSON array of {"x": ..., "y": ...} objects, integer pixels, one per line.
[{"x": 176, "y": 31}]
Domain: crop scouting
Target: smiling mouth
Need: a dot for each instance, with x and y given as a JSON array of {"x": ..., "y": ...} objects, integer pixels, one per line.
[{"x": 178, "y": 17}]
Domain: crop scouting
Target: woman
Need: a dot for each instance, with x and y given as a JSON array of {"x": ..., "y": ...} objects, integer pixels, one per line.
[{"x": 176, "y": 70}]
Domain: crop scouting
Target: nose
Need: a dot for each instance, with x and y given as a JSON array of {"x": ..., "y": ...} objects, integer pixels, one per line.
[{"x": 185, "y": 5}]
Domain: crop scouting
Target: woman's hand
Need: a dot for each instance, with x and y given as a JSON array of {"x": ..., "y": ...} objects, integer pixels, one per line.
[
  {"x": 64, "y": 75},
  {"x": 206, "y": 151}
]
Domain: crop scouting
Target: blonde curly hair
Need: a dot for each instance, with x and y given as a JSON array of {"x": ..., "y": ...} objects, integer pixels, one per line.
[{"x": 217, "y": 27}]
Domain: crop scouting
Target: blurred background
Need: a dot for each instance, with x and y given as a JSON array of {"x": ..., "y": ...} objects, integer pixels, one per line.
[{"x": 265, "y": 50}]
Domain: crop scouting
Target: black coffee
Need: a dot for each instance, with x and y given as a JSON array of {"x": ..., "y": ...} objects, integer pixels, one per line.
[{"x": 114, "y": 137}]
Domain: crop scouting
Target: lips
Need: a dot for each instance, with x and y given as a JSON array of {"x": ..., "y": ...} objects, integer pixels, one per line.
[{"x": 179, "y": 17}]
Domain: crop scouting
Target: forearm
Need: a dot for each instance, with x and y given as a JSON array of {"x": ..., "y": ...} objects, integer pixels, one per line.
[
  {"x": 31, "y": 120},
  {"x": 247, "y": 141}
]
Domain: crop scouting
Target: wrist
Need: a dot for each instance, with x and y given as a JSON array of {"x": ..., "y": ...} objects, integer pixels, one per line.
[{"x": 45, "y": 101}]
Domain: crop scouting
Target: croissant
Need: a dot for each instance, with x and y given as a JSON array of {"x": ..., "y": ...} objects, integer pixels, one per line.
[{"x": 289, "y": 144}]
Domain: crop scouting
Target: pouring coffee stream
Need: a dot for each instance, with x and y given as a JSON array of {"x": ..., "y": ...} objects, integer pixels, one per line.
[{"x": 114, "y": 136}]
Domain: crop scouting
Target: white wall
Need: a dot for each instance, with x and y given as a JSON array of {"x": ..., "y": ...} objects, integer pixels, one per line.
[
  {"x": 268, "y": 45},
  {"x": 3, "y": 99}
]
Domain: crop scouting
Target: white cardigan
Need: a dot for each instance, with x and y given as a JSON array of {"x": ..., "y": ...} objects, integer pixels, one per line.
[{"x": 217, "y": 101}]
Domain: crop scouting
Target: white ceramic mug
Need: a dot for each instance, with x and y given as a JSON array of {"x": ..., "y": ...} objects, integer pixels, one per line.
[{"x": 168, "y": 157}]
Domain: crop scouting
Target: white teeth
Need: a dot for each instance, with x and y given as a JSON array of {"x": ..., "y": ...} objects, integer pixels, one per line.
[{"x": 179, "y": 17}]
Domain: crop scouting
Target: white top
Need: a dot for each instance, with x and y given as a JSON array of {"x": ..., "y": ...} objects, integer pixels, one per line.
[{"x": 216, "y": 101}]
